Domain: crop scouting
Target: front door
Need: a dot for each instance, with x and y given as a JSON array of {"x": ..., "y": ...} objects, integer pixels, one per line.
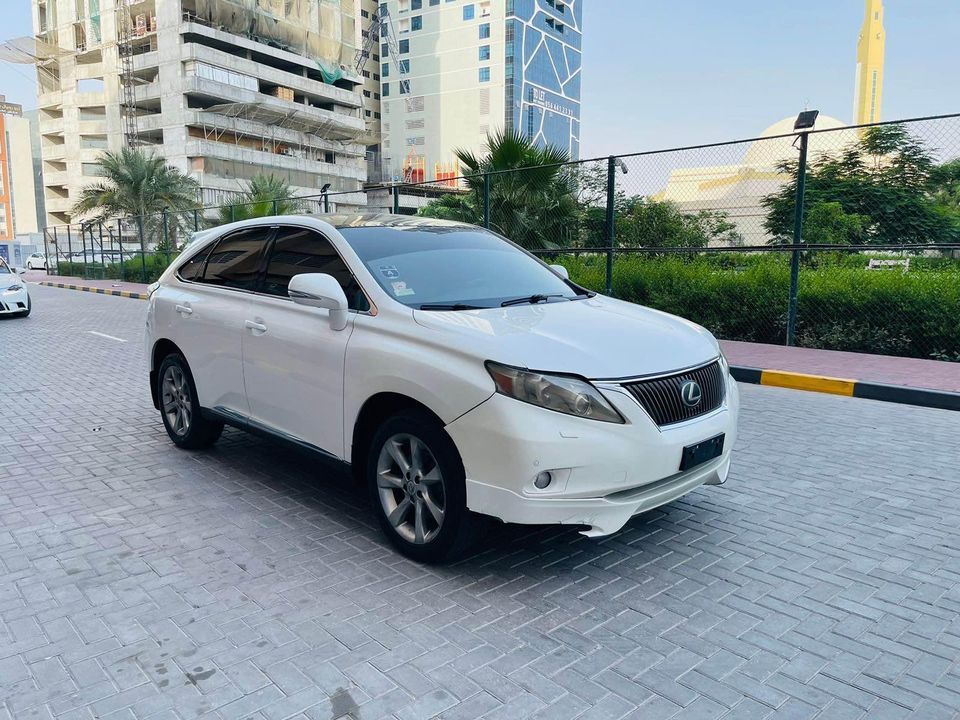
[{"x": 292, "y": 359}]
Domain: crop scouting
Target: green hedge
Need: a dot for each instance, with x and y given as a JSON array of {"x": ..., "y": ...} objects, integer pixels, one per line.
[
  {"x": 147, "y": 270},
  {"x": 841, "y": 306}
]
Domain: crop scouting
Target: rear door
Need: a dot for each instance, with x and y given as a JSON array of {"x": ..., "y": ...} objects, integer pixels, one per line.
[
  {"x": 292, "y": 358},
  {"x": 209, "y": 309}
]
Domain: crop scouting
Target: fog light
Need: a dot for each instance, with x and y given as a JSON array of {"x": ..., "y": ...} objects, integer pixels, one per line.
[{"x": 542, "y": 480}]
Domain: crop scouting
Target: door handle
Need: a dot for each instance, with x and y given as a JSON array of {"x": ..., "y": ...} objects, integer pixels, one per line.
[
  {"x": 184, "y": 309},
  {"x": 255, "y": 326}
]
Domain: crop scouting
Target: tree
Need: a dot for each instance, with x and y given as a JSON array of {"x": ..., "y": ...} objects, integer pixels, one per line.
[
  {"x": 265, "y": 195},
  {"x": 883, "y": 179},
  {"x": 644, "y": 222},
  {"x": 138, "y": 184},
  {"x": 532, "y": 199},
  {"x": 827, "y": 224}
]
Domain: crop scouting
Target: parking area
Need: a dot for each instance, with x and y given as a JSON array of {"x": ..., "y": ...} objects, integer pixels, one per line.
[{"x": 139, "y": 581}]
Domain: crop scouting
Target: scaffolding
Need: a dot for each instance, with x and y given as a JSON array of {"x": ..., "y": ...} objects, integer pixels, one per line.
[{"x": 128, "y": 103}]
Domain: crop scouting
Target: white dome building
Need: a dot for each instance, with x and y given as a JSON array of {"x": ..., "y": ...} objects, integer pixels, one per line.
[{"x": 737, "y": 189}]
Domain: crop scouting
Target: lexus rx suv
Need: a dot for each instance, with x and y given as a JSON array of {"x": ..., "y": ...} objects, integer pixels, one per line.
[{"x": 456, "y": 373}]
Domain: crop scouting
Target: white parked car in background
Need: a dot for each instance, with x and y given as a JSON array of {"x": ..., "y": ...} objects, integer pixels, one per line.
[
  {"x": 37, "y": 261},
  {"x": 14, "y": 297},
  {"x": 455, "y": 372}
]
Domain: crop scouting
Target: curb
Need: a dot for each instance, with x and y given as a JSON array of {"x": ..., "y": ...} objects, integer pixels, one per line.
[
  {"x": 97, "y": 291},
  {"x": 940, "y": 399}
]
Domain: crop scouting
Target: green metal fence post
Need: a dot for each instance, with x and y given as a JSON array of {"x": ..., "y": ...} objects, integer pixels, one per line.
[
  {"x": 611, "y": 218},
  {"x": 196, "y": 220},
  {"x": 69, "y": 245},
  {"x": 274, "y": 206},
  {"x": 56, "y": 249},
  {"x": 143, "y": 250},
  {"x": 166, "y": 236},
  {"x": 486, "y": 200},
  {"x": 797, "y": 240},
  {"x": 83, "y": 244},
  {"x": 123, "y": 262},
  {"x": 103, "y": 257},
  {"x": 396, "y": 199},
  {"x": 326, "y": 203}
]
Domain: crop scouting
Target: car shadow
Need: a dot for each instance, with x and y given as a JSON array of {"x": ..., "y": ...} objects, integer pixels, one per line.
[{"x": 329, "y": 490}]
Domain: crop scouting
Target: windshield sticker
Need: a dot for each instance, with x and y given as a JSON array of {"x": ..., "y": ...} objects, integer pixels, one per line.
[
  {"x": 400, "y": 289},
  {"x": 390, "y": 272}
]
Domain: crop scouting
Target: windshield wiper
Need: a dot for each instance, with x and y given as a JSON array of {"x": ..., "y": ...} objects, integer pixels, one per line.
[
  {"x": 530, "y": 300},
  {"x": 450, "y": 306}
]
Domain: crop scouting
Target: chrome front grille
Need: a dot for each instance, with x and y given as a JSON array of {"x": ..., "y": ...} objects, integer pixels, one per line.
[{"x": 662, "y": 399}]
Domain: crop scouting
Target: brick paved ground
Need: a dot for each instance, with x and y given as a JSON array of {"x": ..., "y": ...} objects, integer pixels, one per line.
[{"x": 139, "y": 581}]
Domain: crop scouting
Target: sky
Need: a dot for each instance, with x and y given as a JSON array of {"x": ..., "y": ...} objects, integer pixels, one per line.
[{"x": 660, "y": 74}]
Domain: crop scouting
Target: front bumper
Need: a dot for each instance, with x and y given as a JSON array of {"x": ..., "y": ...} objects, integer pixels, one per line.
[
  {"x": 13, "y": 303},
  {"x": 604, "y": 473}
]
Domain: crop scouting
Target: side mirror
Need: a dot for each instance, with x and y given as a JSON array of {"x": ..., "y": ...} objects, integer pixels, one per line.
[
  {"x": 561, "y": 271},
  {"x": 321, "y": 291}
]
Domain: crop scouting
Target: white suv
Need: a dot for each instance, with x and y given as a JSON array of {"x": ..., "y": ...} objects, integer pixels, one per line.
[{"x": 455, "y": 372}]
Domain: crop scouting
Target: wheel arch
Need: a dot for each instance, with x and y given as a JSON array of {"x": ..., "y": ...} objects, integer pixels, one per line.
[
  {"x": 161, "y": 348},
  {"x": 373, "y": 412}
]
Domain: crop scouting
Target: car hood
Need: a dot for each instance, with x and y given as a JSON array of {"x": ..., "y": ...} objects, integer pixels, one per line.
[{"x": 596, "y": 338}]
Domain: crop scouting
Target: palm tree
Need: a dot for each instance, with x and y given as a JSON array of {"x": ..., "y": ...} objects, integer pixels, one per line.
[
  {"x": 139, "y": 184},
  {"x": 532, "y": 191},
  {"x": 265, "y": 195}
]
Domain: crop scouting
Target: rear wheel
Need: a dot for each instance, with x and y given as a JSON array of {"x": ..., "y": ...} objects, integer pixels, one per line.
[
  {"x": 416, "y": 482},
  {"x": 180, "y": 407}
]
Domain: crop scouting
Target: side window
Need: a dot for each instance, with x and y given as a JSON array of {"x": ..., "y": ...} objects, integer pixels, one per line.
[
  {"x": 192, "y": 269},
  {"x": 298, "y": 250},
  {"x": 236, "y": 259}
]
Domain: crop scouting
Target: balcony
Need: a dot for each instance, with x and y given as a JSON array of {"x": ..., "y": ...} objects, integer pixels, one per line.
[{"x": 197, "y": 147}]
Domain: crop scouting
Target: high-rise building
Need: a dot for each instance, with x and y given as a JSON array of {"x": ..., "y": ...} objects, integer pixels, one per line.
[
  {"x": 222, "y": 89},
  {"x": 18, "y": 197},
  {"x": 870, "y": 58},
  {"x": 472, "y": 67},
  {"x": 368, "y": 31}
]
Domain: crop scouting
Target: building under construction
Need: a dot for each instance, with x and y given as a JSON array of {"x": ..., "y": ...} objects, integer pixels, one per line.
[{"x": 222, "y": 89}]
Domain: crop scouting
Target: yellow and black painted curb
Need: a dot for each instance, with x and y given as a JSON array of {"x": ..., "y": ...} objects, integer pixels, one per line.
[
  {"x": 941, "y": 399},
  {"x": 96, "y": 290}
]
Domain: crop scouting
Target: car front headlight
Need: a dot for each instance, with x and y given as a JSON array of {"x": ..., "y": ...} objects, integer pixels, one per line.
[
  {"x": 561, "y": 393},
  {"x": 16, "y": 287}
]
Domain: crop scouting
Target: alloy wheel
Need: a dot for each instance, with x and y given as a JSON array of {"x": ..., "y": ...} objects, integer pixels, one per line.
[
  {"x": 176, "y": 402},
  {"x": 410, "y": 487}
]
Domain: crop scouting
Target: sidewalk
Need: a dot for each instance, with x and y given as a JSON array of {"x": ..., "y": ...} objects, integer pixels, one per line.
[
  {"x": 913, "y": 381},
  {"x": 102, "y": 287}
]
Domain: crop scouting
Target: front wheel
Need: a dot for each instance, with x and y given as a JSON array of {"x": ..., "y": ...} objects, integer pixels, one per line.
[
  {"x": 180, "y": 406},
  {"x": 416, "y": 482}
]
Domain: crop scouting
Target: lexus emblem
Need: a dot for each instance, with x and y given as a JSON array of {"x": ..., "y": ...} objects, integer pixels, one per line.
[{"x": 691, "y": 394}]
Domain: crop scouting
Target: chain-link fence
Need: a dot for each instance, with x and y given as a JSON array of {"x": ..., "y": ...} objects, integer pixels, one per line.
[{"x": 711, "y": 232}]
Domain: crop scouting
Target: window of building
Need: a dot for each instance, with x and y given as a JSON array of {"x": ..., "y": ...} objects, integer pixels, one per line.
[
  {"x": 376, "y": 58},
  {"x": 376, "y": 76},
  {"x": 384, "y": 49},
  {"x": 298, "y": 250},
  {"x": 416, "y": 23},
  {"x": 485, "y": 8},
  {"x": 366, "y": 93},
  {"x": 404, "y": 65},
  {"x": 364, "y": 13},
  {"x": 416, "y": 4},
  {"x": 385, "y": 70},
  {"x": 404, "y": 5},
  {"x": 484, "y": 52},
  {"x": 484, "y": 74},
  {"x": 404, "y": 46},
  {"x": 404, "y": 25},
  {"x": 376, "y": 96},
  {"x": 386, "y": 89},
  {"x": 555, "y": 24},
  {"x": 434, "y": 3},
  {"x": 468, "y": 12},
  {"x": 366, "y": 73},
  {"x": 235, "y": 261},
  {"x": 404, "y": 87},
  {"x": 376, "y": 116},
  {"x": 367, "y": 113},
  {"x": 485, "y": 31}
]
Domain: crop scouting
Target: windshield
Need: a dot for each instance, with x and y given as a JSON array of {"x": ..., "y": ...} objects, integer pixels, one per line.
[{"x": 453, "y": 268}]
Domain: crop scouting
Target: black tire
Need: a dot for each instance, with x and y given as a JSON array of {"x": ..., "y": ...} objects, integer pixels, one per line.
[
  {"x": 443, "y": 541},
  {"x": 196, "y": 432}
]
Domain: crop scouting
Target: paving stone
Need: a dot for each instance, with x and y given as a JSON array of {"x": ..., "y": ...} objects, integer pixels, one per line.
[{"x": 140, "y": 581}]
